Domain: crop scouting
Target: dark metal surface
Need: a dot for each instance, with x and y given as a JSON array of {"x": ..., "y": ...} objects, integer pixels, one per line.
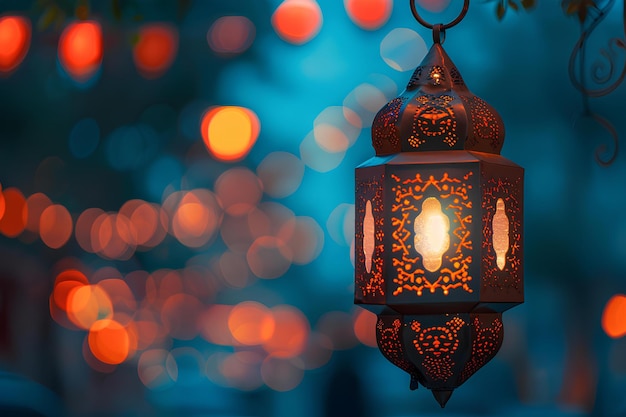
[{"x": 448, "y": 25}]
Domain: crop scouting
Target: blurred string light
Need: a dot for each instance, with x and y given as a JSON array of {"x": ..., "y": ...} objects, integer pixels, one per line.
[
  {"x": 231, "y": 35},
  {"x": 15, "y": 32},
  {"x": 135, "y": 318},
  {"x": 297, "y": 21},
  {"x": 229, "y": 132},
  {"x": 369, "y": 14},
  {"x": 155, "y": 50},
  {"x": 81, "y": 50}
]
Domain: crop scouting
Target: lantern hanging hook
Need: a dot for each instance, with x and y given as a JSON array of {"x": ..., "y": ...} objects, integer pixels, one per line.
[{"x": 439, "y": 30}]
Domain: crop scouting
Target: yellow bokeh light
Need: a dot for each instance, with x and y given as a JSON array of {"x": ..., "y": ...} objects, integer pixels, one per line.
[{"x": 229, "y": 132}]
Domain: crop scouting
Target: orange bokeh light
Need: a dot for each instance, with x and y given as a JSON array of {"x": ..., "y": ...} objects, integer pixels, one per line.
[
  {"x": 36, "y": 204},
  {"x": 14, "y": 42},
  {"x": 614, "y": 316},
  {"x": 147, "y": 220},
  {"x": 64, "y": 283},
  {"x": 86, "y": 304},
  {"x": 369, "y": 14},
  {"x": 109, "y": 342},
  {"x": 365, "y": 327},
  {"x": 155, "y": 50},
  {"x": 13, "y": 223},
  {"x": 297, "y": 21},
  {"x": 80, "y": 49},
  {"x": 229, "y": 132},
  {"x": 55, "y": 226},
  {"x": 251, "y": 323},
  {"x": 3, "y": 204},
  {"x": 290, "y": 334}
]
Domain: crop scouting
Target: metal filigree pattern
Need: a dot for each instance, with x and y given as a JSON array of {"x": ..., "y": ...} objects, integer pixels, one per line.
[
  {"x": 370, "y": 284},
  {"x": 437, "y": 75},
  {"x": 486, "y": 126},
  {"x": 385, "y": 133},
  {"x": 456, "y": 77},
  {"x": 437, "y": 345},
  {"x": 388, "y": 338},
  {"x": 453, "y": 193},
  {"x": 603, "y": 73},
  {"x": 486, "y": 343},
  {"x": 415, "y": 79},
  {"x": 434, "y": 118},
  {"x": 510, "y": 277}
]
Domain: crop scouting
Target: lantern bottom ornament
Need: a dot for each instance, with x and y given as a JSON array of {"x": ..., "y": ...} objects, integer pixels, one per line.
[{"x": 439, "y": 351}]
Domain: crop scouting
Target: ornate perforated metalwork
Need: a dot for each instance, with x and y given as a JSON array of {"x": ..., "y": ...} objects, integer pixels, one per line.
[
  {"x": 487, "y": 128},
  {"x": 454, "y": 196},
  {"x": 437, "y": 75},
  {"x": 437, "y": 345},
  {"x": 388, "y": 338},
  {"x": 370, "y": 284},
  {"x": 385, "y": 133},
  {"x": 510, "y": 277},
  {"x": 486, "y": 342},
  {"x": 456, "y": 77},
  {"x": 415, "y": 78},
  {"x": 434, "y": 118}
]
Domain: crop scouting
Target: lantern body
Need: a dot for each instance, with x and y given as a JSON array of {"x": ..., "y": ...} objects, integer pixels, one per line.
[
  {"x": 468, "y": 186},
  {"x": 438, "y": 229}
]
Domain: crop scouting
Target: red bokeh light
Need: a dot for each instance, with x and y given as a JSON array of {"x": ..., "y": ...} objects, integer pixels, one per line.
[
  {"x": 369, "y": 14},
  {"x": 614, "y": 316},
  {"x": 155, "y": 50},
  {"x": 13, "y": 223},
  {"x": 14, "y": 42},
  {"x": 80, "y": 49},
  {"x": 297, "y": 21}
]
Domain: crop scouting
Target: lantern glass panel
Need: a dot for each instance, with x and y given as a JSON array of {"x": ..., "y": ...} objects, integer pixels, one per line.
[
  {"x": 369, "y": 230},
  {"x": 432, "y": 238},
  {"x": 500, "y": 234}
]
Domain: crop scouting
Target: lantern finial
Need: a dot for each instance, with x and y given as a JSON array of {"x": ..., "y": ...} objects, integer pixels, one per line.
[{"x": 442, "y": 396}]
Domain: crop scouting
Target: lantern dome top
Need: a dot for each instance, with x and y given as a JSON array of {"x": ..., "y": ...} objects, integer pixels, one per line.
[{"x": 437, "y": 112}]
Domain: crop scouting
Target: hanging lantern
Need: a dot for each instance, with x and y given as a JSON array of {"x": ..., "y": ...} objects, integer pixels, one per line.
[{"x": 438, "y": 245}]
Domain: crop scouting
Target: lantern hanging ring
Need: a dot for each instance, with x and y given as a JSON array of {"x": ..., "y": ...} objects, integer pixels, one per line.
[{"x": 439, "y": 30}]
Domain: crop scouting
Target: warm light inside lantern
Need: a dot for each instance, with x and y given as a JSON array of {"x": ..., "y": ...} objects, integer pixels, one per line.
[
  {"x": 432, "y": 238},
  {"x": 500, "y": 234},
  {"x": 368, "y": 236}
]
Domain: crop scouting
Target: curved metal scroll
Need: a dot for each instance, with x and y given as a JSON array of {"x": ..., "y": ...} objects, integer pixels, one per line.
[{"x": 603, "y": 73}]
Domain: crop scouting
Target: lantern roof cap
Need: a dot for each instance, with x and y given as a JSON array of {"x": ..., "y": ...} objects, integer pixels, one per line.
[{"x": 435, "y": 112}]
